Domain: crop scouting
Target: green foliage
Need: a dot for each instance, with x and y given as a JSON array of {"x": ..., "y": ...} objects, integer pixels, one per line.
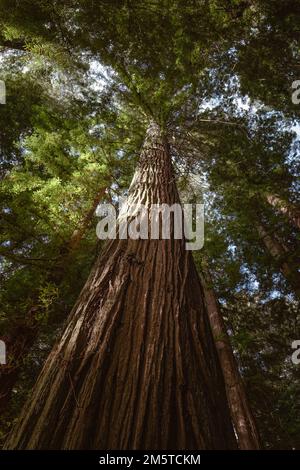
[
  {"x": 83, "y": 79},
  {"x": 264, "y": 352}
]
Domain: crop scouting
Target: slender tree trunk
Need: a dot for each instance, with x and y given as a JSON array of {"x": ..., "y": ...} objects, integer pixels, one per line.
[
  {"x": 279, "y": 253},
  {"x": 289, "y": 210},
  {"x": 241, "y": 413},
  {"x": 136, "y": 367},
  {"x": 23, "y": 334},
  {"x": 79, "y": 233}
]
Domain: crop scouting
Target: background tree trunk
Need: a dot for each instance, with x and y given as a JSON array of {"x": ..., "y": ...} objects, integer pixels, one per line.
[
  {"x": 241, "y": 414},
  {"x": 136, "y": 367},
  {"x": 24, "y": 333},
  {"x": 289, "y": 210},
  {"x": 279, "y": 253}
]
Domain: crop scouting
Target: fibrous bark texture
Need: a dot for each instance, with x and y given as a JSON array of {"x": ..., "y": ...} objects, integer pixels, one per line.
[{"x": 136, "y": 367}]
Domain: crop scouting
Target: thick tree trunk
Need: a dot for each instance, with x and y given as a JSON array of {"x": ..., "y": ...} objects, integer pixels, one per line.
[
  {"x": 136, "y": 367},
  {"x": 279, "y": 253},
  {"x": 287, "y": 209},
  {"x": 241, "y": 414},
  {"x": 22, "y": 335}
]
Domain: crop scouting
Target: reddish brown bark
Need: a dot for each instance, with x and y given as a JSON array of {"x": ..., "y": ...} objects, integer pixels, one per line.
[
  {"x": 24, "y": 333},
  {"x": 279, "y": 253},
  {"x": 241, "y": 414},
  {"x": 136, "y": 367},
  {"x": 289, "y": 210}
]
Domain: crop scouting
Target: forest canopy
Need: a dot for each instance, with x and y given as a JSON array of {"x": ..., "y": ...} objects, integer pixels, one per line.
[{"x": 202, "y": 95}]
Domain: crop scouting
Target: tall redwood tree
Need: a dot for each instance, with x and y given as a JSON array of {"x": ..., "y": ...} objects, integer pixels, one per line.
[{"x": 136, "y": 367}]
